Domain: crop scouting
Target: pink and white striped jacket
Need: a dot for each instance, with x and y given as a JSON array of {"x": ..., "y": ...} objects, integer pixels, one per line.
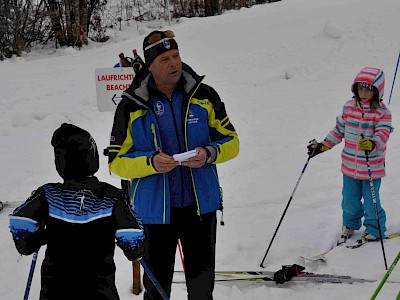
[{"x": 359, "y": 119}]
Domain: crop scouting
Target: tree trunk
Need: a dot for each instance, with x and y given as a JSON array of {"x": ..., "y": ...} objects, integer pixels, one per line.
[
  {"x": 68, "y": 21},
  {"x": 182, "y": 7},
  {"x": 211, "y": 7},
  {"x": 56, "y": 22},
  {"x": 84, "y": 22},
  {"x": 75, "y": 23}
]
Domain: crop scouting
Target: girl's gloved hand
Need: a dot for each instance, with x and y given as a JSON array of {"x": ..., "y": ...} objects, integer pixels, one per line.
[{"x": 366, "y": 144}]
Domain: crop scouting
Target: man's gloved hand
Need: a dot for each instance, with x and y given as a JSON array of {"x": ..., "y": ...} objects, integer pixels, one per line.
[
  {"x": 287, "y": 273},
  {"x": 316, "y": 148},
  {"x": 366, "y": 144}
]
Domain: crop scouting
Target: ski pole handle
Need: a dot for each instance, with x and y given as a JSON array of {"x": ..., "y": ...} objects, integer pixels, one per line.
[
  {"x": 366, "y": 153},
  {"x": 313, "y": 141}
]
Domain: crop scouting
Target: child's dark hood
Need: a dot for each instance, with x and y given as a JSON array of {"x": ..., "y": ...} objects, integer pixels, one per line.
[{"x": 75, "y": 151}]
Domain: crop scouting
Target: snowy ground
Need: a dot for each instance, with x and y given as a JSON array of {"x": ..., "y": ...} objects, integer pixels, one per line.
[{"x": 284, "y": 71}]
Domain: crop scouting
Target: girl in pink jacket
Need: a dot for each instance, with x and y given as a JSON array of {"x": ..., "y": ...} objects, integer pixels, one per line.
[{"x": 365, "y": 125}]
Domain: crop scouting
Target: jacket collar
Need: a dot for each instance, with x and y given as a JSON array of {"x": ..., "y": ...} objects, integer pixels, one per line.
[
  {"x": 139, "y": 92},
  {"x": 85, "y": 183}
]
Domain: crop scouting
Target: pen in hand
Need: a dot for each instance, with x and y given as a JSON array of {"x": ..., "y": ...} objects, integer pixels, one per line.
[{"x": 163, "y": 162}]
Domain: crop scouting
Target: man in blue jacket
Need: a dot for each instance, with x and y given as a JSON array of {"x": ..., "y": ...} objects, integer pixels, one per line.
[{"x": 165, "y": 112}]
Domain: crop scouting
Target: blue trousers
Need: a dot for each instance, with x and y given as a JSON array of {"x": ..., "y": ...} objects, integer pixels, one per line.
[{"x": 354, "y": 209}]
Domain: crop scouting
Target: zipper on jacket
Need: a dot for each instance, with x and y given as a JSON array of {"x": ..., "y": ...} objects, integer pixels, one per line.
[
  {"x": 134, "y": 193},
  {"x": 187, "y": 148},
  {"x": 180, "y": 148},
  {"x": 153, "y": 132},
  {"x": 175, "y": 125},
  {"x": 165, "y": 200},
  {"x": 195, "y": 195},
  {"x": 187, "y": 112},
  {"x": 358, "y": 136}
]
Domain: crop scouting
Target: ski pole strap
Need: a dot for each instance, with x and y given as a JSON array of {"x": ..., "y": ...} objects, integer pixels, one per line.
[
  {"x": 386, "y": 276},
  {"x": 154, "y": 280}
]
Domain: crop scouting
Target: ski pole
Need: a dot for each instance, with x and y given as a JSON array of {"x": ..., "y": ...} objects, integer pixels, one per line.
[
  {"x": 30, "y": 276},
  {"x": 394, "y": 78},
  {"x": 371, "y": 184},
  {"x": 287, "y": 206},
  {"x": 181, "y": 254},
  {"x": 154, "y": 280},
  {"x": 386, "y": 277}
]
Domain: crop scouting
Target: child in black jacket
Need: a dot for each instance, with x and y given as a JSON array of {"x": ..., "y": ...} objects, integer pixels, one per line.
[{"x": 79, "y": 220}]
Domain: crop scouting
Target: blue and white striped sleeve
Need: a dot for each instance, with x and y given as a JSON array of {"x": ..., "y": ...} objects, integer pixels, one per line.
[
  {"x": 27, "y": 223},
  {"x": 130, "y": 232}
]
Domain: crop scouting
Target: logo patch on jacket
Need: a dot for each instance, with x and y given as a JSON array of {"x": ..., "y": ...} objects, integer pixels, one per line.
[
  {"x": 191, "y": 118},
  {"x": 159, "y": 108}
]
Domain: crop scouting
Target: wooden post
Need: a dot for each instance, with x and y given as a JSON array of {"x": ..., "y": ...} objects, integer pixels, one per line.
[{"x": 136, "y": 279}]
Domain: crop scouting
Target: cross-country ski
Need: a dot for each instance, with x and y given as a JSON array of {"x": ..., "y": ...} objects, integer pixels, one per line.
[
  {"x": 267, "y": 277},
  {"x": 350, "y": 244},
  {"x": 322, "y": 256},
  {"x": 360, "y": 242}
]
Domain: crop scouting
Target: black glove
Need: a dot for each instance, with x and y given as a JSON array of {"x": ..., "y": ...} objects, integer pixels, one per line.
[
  {"x": 32, "y": 242},
  {"x": 287, "y": 273},
  {"x": 135, "y": 253},
  {"x": 316, "y": 148}
]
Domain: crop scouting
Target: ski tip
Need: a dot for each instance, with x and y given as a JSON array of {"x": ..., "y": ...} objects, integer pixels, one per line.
[
  {"x": 392, "y": 236},
  {"x": 10, "y": 204},
  {"x": 4, "y": 205}
]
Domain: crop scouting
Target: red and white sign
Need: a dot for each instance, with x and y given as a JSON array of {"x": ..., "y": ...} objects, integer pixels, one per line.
[{"x": 110, "y": 83}]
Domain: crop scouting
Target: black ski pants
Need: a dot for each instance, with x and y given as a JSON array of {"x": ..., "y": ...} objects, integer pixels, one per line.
[{"x": 198, "y": 237}]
